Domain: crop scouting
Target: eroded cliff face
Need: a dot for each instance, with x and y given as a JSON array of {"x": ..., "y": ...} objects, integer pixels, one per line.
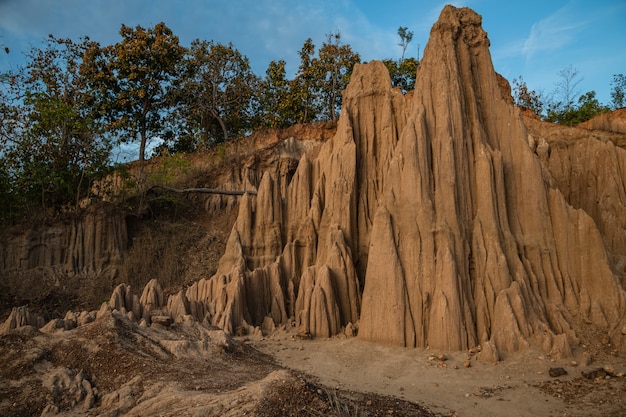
[
  {"x": 89, "y": 244},
  {"x": 484, "y": 249},
  {"x": 436, "y": 207},
  {"x": 439, "y": 219}
]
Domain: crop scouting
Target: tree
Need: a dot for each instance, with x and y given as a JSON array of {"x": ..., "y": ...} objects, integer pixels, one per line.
[
  {"x": 588, "y": 107},
  {"x": 567, "y": 89},
  {"x": 618, "y": 91},
  {"x": 402, "y": 73},
  {"x": 276, "y": 107},
  {"x": 134, "y": 80},
  {"x": 303, "y": 87},
  {"x": 332, "y": 69},
  {"x": 217, "y": 91},
  {"x": 406, "y": 36},
  {"x": 525, "y": 97},
  {"x": 55, "y": 146}
]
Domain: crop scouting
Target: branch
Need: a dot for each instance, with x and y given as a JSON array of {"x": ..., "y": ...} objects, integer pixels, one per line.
[{"x": 204, "y": 190}]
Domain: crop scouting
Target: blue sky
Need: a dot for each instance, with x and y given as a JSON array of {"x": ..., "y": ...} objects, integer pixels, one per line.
[{"x": 534, "y": 39}]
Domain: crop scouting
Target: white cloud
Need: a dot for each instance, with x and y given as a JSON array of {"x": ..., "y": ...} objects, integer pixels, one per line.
[{"x": 552, "y": 33}]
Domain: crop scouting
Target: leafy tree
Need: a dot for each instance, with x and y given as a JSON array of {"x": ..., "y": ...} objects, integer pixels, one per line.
[
  {"x": 587, "y": 108},
  {"x": 618, "y": 91},
  {"x": 303, "y": 87},
  {"x": 332, "y": 69},
  {"x": 402, "y": 73},
  {"x": 134, "y": 79},
  {"x": 525, "y": 97},
  {"x": 276, "y": 97},
  {"x": 217, "y": 92},
  {"x": 53, "y": 145},
  {"x": 406, "y": 36}
]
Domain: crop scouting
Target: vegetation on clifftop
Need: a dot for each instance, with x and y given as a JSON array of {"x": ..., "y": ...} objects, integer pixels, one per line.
[{"x": 76, "y": 101}]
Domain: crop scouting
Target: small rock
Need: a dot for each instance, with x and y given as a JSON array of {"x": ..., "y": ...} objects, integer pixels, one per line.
[
  {"x": 574, "y": 363},
  {"x": 593, "y": 373},
  {"x": 442, "y": 357},
  {"x": 624, "y": 330},
  {"x": 164, "y": 321},
  {"x": 303, "y": 336},
  {"x": 467, "y": 364},
  {"x": 556, "y": 372},
  {"x": 350, "y": 330},
  {"x": 610, "y": 370}
]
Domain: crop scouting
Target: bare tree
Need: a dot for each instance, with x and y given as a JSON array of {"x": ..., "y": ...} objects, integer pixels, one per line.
[
  {"x": 567, "y": 87},
  {"x": 406, "y": 36}
]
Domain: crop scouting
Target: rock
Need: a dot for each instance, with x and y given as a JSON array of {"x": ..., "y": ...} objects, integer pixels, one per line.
[
  {"x": 467, "y": 364},
  {"x": 593, "y": 373},
  {"x": 85, "y": 317},
  {"x": 350, "y": 330},
  {"x": 178, "y": 306},
  {"x": 488, "y": 353},
  {"x": 152, "y": 298},
  {"x": 556, "y": 372},
  {"x": 124, "y": 300},
  {"x": 90, "y": 244},
  {"x": 268, "y": 325},
  {"x": 21, "y": 316},
  {"x": 613, "y": 122},
  {"x": 610, "y": 370},
  {"x": 71, "y": 388},
  {"x": 464, "y": 223},
  {"x": 165, "y": 321},
  {"x": 53, "y": 326}
]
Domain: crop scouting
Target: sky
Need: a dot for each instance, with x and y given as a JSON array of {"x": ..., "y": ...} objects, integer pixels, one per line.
[{"x": 534, "y": 39}]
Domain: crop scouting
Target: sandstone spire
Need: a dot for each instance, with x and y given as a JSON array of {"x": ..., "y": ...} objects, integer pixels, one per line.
[
  {"x": 481, "y": 247},
  {"x": 437, "y": 208}
]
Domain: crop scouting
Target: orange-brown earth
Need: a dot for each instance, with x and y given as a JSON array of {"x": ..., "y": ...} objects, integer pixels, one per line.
[{"x": 440, "y": 252}]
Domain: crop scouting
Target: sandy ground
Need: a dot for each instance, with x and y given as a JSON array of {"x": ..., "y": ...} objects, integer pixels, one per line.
[{"x": 519, "y": 386}]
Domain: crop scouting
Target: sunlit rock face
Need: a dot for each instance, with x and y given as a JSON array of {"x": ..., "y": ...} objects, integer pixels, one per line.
[{"x": 432, "y": 220}]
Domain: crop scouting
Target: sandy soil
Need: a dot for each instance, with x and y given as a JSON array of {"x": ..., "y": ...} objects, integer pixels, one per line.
[
  {"x": 113, "y": 367},
  {"x": 518, "y": 386}
]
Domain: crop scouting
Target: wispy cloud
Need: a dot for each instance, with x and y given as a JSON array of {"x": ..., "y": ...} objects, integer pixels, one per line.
[{"x": 553, "y": 32}]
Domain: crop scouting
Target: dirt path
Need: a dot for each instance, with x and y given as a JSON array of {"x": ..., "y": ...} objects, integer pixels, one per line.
[{"x": 519, "y": 386}]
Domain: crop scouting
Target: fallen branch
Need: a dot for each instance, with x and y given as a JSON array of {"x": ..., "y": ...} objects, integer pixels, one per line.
[{"x": 204, "y": 190}]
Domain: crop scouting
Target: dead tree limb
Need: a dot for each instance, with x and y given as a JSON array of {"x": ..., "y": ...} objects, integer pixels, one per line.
[{"x": 203, "y": 190}]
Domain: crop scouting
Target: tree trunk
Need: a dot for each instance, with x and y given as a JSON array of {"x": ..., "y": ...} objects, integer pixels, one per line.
[
  {"x": 204, "y": 190},
  {"x": 215, "y": 114}
]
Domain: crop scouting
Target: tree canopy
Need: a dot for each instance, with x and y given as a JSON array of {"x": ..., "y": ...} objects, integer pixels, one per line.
[
  {"x": 565, "y": 105},
  {"x": 74, "y": 101},
  {"x": 135, "y": 78}
]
